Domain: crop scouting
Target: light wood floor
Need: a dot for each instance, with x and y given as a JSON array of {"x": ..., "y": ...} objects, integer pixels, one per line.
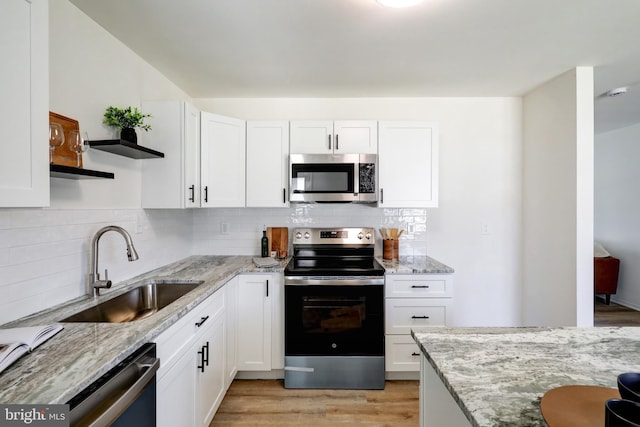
[
  {"x": 268, "y": 403},
  {"x": 614, "y": 315}
]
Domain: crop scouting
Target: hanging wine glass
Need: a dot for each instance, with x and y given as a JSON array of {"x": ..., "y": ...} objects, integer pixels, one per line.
[
  {"x": 56, "y": 138},
  {"x": 78, "y": 144}
]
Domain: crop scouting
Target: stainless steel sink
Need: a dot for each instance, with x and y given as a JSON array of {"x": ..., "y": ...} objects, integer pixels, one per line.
[{"x": 136, "y": 304}]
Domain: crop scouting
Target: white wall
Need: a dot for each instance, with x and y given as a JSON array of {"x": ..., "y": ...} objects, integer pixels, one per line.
[
  {"x": 558, "y": 201},
  {"x": 44, "y": 252},
  {"x": 480, "y": 182},
  {"x": 617, "y": 206},
  {"x": 89, "y": 70}
]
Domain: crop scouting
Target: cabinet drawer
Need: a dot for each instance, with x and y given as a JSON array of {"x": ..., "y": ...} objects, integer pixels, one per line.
[
  {"x": 421, "y": 286},
  {"x": 403, "y": 314},
  {"x": 401, "y": 354},
  {"x": 171, "y": 342}
]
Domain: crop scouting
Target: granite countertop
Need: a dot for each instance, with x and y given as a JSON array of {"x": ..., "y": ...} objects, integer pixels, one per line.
[
  {"x": 414, "y": 265},
  {"x": 82, "y": 352},
  {"x": 498, "y": 375}
]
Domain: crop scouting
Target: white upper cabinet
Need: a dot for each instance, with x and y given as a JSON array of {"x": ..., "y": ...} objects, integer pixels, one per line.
[
  {"x": 267, "y": 163},
  {"x": 408, "y": 164},
  {"x": 222, "y": 151},
  {"x": 24, "y": 107},
  {"x": 334, "y": 137},
  {"x": 172, "y": 181}
]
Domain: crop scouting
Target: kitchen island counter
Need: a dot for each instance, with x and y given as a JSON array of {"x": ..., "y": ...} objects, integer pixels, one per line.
[
  {"x": 82, "y": 352},
  {"x": 497, "y": 376}
]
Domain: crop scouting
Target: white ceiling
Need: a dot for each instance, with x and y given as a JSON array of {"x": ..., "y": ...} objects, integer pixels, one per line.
[{"x": 357, "y": 48}]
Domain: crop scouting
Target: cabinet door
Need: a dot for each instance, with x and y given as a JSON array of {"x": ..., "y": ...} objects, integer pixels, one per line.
[
  {"x": 255, "y": 293},
  {"x": 276, "y": 293},
  {"x": 401, "y": 354},
  {"x": 175, "y": 390},
  {"x": 312, "y": 137},
  {"x": 24, "y": 107},
  {"x": 231, "y": 306},
  {"x": 404, "y": 314},
  {"x": 210, "y": 378},
  {"x": 191, "y": 169},
  {"x": 356, "y": 136},
  {"x": 222, "y": 174},
  {"x": 408, "y": 164},
  {"x": 267, "y": 163},
  {"x": 174, "y": 180}
]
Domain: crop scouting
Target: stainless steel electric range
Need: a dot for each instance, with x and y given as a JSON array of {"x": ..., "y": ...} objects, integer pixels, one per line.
[{"x": 334, "y": 310}]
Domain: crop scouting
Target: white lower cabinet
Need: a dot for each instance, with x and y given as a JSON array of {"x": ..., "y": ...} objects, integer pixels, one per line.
[
  {"x": 231, "y": 306},
  {"x": 210, "y": 375},
  {"x": 260, "y": 322},
  {"x": 175, "y": 391},
  {"x": 413, "y": 301},
  {"x": 191, "y": 378}
]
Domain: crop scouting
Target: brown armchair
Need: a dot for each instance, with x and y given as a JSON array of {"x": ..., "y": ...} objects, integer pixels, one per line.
[{"x": 605, "y": 276}]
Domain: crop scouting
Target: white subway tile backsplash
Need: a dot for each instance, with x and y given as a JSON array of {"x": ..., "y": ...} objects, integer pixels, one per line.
[
  {"x": 245, "y": 225},
  {"x": 44, "y": 253}
]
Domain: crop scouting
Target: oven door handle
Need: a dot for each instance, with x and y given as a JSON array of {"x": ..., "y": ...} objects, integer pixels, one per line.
[
  {"x": 310, "y": 281},
  {"x": 299, "y": 369}
]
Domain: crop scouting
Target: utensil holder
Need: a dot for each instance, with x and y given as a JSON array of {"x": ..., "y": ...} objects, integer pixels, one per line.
[{"x": 390, "y": 249}]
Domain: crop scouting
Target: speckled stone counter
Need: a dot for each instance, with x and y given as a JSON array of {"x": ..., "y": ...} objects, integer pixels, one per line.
[
  {"x": 497, "y": 376},
  {"x": 414, "y": 265},
  {"x": 82, "y": 352}
]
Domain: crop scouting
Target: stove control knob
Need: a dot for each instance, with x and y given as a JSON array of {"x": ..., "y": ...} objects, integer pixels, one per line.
[
  {"x": 307, "y": 235},
  {"x": 360, "y": 236},
  {"x": 368, "y": 236},
  {"x": 298, "y": 235}
]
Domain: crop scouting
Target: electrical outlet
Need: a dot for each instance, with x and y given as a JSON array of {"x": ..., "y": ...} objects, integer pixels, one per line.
[
  {"x": 224, "y": 228},
  {"x": 485, "y": 229}
]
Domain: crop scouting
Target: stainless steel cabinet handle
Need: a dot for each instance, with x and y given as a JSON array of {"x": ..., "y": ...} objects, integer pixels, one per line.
[
  {"x": 419, "y": 317},
  {"x": 381, "y": 195},
  {"x": 337, "y": 146},
  {"x": 329, "y": 142},
  {"x": 193, "y": 193},
  {"x": 420, "y": 286}
]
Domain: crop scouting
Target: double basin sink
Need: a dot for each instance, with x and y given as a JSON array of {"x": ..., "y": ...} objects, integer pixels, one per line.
[{"x": 137, "y": 303}]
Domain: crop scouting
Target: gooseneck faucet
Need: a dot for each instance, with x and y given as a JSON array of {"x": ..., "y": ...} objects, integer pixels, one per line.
[{"x": 94, "y": 283}]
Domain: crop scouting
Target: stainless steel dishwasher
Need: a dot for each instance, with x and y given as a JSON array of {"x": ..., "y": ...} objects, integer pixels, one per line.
[{"x": 123, "y": 397}]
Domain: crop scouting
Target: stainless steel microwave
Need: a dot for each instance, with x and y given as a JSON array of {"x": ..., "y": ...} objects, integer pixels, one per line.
[{"x": 333, "y": 178}]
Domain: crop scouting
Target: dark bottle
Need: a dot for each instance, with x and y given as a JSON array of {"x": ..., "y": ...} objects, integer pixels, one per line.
[{"x": 265, "y": 244}]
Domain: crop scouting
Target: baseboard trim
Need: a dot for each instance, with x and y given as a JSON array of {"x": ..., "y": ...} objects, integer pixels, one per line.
[{"x": 625, "y": 303}]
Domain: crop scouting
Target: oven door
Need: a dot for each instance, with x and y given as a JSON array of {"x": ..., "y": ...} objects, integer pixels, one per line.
[{"x": 334, "y": 320}]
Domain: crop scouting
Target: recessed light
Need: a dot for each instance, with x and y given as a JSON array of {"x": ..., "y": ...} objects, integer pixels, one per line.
[
  {"x": 616, "y": 92},
  {"x": 399, "y": 3}
]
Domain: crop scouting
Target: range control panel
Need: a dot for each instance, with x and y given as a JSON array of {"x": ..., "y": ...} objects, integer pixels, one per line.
[{"x": 334, "y": 236}]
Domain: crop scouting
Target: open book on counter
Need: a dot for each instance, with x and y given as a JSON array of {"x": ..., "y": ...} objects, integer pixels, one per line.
[{"x": 15, "y": 342}]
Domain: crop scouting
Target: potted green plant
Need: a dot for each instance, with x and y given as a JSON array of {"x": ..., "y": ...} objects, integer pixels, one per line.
[{"x": 126, "y": 119}]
